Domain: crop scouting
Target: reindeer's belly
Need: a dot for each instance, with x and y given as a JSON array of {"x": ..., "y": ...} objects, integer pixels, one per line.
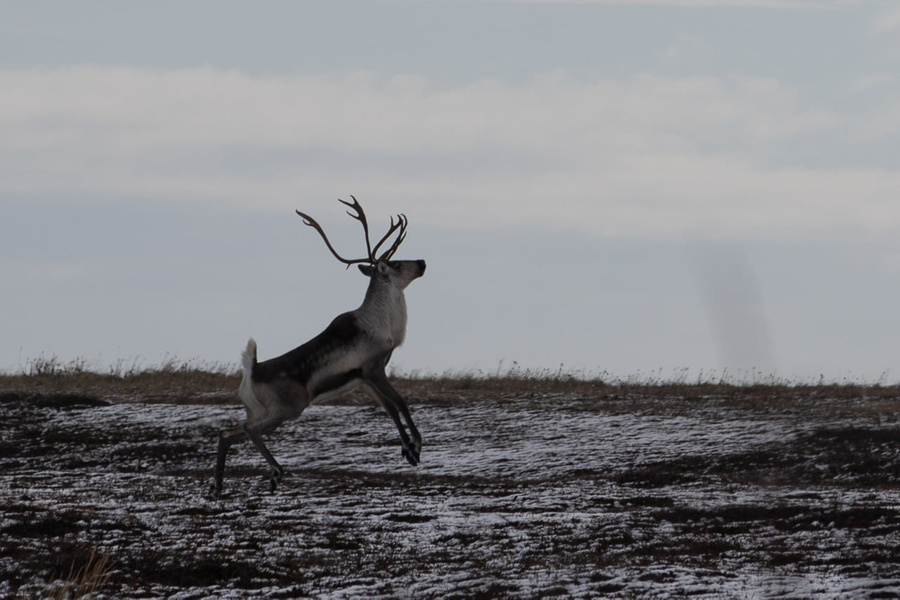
[{"x": 329, "y": 386}]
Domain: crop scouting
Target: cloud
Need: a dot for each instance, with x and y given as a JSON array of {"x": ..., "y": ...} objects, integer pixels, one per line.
[
  {"x": 888, "y": 21},
  {"x": 136, "y": 110},
  {"x": 644, "y": 156},
  {"x": 872, "y": 81},
  {"x": 689, "y": 51}
]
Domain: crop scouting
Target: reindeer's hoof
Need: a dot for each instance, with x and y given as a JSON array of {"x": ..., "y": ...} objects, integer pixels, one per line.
[
  {"x": 277, "y": 476},
  {"x": 214, "y": 492},
  {"x": 411, "y": 455}
]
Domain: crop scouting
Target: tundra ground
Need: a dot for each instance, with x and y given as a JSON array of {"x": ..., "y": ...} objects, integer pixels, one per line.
[{"x": 526, "y": 489}]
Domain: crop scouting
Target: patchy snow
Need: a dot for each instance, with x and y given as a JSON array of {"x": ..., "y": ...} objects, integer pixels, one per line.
[{"x": 537, "y": 497}]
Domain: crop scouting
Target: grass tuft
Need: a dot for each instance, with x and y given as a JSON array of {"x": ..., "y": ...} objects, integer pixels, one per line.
[{"x": 86, "y": 580}]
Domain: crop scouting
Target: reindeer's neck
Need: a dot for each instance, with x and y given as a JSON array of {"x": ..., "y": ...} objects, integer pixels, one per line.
[{"x": 383, "y": 312}]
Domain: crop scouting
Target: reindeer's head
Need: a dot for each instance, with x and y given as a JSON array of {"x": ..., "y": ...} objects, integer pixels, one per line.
[{"x": 399, "y": 273}]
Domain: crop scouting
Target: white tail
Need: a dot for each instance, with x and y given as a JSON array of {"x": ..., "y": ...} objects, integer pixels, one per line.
[
  {"x": 248, "y": 356},
  {"x": 353, "y": 351},
  {"x": 255, "y": 409}
]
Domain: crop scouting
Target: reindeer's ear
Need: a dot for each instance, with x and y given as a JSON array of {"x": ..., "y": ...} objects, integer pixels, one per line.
[{"x": 366, "y": 270}]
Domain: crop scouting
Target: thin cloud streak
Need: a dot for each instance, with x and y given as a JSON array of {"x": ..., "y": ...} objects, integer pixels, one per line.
[{"x": 781, "y": 4}]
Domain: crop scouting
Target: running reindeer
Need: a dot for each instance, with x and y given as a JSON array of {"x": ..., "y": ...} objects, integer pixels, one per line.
[{"x": 353, "y": 351}]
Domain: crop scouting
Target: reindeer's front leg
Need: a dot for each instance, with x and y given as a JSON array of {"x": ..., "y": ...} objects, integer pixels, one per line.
[
  {"x": 395, "y": 405},
  {"x": 416, "y": 444}
]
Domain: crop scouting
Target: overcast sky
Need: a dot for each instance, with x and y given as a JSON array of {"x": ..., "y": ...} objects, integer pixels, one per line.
[{"x": 611, "y": 187}]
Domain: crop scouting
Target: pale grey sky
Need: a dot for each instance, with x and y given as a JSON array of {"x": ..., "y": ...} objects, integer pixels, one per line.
[{"x": 616, "y": 187}]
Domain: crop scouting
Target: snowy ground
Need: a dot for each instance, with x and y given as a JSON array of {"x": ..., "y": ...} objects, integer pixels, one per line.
[{"x": 614, "y": 496}]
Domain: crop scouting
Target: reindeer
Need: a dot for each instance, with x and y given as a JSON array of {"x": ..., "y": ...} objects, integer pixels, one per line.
[{"x": 352, "y": 352}]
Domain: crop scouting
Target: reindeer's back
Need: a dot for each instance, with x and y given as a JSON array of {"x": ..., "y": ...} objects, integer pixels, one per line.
[{"x": 303, "y": 361}]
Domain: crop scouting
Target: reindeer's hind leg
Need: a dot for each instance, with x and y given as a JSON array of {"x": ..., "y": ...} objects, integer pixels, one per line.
[
  {"x": 227, "y": 437},
  {"x": 255, "y": 435}
]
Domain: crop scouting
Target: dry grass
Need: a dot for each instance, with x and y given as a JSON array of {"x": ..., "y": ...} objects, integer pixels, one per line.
[
  {"x": 172, "y": 381},
  {"x": 195, "y": 382},
  {"x": 85, "y": 580}
]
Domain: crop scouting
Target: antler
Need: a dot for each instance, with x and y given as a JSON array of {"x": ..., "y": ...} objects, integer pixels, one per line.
[
  {"x": 360, "y": 216},
  {"x": 402, "y": 222}
]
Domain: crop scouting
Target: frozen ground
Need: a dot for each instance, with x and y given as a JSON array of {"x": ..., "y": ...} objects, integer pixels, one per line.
[{"x": 615, "y": 496}]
